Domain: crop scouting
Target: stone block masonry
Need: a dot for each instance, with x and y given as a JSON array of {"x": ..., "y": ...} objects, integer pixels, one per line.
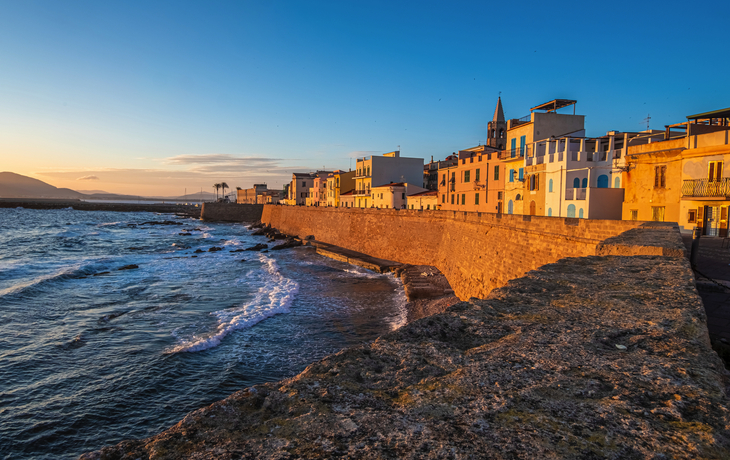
[
  {"x": 231, "y": 212},
  {"x": 477, "y": 252}
]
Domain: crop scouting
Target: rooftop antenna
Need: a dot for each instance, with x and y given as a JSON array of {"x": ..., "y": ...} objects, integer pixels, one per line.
[{"x": 648, "y": 117}]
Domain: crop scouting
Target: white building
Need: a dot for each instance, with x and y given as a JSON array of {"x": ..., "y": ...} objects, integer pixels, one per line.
[
  {"x": 389, "y": 168},
  {"x": 394, "y": 195}
]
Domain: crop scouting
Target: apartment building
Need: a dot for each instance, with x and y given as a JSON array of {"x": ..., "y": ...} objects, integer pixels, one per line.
[{"x": 379, "y": 170}]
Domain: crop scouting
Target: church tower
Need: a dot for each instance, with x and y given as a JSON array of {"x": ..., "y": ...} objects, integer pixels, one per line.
[{"x": 497, "y": 128}]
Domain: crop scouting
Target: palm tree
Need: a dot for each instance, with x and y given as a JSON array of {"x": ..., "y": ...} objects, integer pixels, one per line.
[
  {"x": 224, "y": 186},
  {"x": 216, "y": 187}
]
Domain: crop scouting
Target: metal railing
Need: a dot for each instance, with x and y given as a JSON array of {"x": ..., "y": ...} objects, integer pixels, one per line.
[
  {"x": 518, "y": 152},
  {"x": 361, "y": 192},
  {"x": 706, "y": 188},
  {"x": 575, "y": 194}
]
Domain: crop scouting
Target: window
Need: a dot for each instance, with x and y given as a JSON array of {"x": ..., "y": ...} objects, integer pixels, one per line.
[
  {"x": 585, "y": 183},
  {"x": 403, "y": 195},
  {"x": 443, "y": 198},
  {"x": 660, "y": 176},
  {"x": 480, "y": 158},
  {"x": 580, "y": 213},
  {"x": 602, "y": 181},
  {"x": 510, "y": 207},
  {"x": 617, "y": 182},
  {"x": 471, "y": 159},
  {"x": 467, "y": 176},
  {"x": 523, "y": 141},
  {"x": 576, "y": 183},
  {"x": 715, "y": 171},
  {"x": 511, "y": 175},
  {"x": 499, "y": 195},
  {"x": 304, "y": 184},
  {"x": 657, "y": 213},
  {"x": 532, "y": 182},
  {"x": 476, "y": 174},
  {"x": 368, "y": 170},
  {"x": 634, "y": 214},
  {"x": 513, "y": 149},
  {"x": 428, "y": 206},
  {"x": 463, "y": 161},
  {"x": 550, "y": 186},
  {"x": 692, "y": 216},
  {"x": 463, "y": 199},
  {"x": 522, "y": 174},
  {"x": 452, "y": 199},
  {"x": 476, "y": 198},
  {"x": 550, "y": 212},
  {"x": 496, "y": 172}
]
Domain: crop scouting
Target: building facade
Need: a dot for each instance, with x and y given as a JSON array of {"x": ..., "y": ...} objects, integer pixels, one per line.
[{"x": 378, "y": 170}]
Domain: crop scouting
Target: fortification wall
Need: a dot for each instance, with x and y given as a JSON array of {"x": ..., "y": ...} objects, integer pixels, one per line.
[
  {"x": 231, "y": 212},
  {"x": 477, "y": 252}
]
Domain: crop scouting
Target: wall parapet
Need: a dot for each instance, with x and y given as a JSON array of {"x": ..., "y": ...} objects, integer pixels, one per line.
[
  {"x": 477, "y": 252},
  {"x": 231, "y": 212}
]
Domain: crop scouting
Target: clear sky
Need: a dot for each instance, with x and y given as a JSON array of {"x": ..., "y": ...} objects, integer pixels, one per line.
[{"x": 153, "y": 97}]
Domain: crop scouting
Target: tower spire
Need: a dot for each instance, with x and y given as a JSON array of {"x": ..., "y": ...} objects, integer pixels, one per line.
[{"x": 498, "y": 112}]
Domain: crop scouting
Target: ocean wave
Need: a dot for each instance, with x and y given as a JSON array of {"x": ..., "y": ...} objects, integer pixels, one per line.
[
  {"x": 401, "y": 317},
  {"x": 363, "y": 272},
  {"x": 273, "y": 298},
  {"x": 68, "y": 272}
]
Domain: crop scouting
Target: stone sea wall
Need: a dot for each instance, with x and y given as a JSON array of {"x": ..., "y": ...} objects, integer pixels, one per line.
[
  {"x": 231, "y": 212},
  {"x": 477, "y": 252}
]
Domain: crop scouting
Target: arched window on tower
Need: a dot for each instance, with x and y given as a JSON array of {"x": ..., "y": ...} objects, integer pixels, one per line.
[{"x": 501, "y": 133}]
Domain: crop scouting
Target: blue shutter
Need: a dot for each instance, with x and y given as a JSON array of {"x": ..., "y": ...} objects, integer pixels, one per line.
[{"x": 513, "y": 148}]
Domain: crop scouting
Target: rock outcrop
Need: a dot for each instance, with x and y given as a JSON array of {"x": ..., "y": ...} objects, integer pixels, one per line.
[{"x": 591, "y": 357}]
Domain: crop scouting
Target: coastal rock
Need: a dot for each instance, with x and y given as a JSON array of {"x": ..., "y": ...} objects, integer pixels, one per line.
[
  {"x": 237, "y": 250},
  {"x": 162, "y": 222},
  {"x": 215, "y": 249},
  {"x": 185, "y": 234},
  {"x": 258, "y": 247},
  {"x": 290, "y": 243},
  {"x": 531, "y": 371},
  {"x": 198, "y": 251},
  {"x": 129, "y": 267}
]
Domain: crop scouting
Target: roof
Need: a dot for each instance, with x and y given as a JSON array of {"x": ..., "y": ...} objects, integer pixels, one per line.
[
  {"x": 554, "y": 105},
  {"x": 349, "y": 192},
  {"x": 392, "y": 184},
  {"x": 498, "y": 112},
  {"x": 722, "y": 113},
  {"x": 426, "y": 193}
]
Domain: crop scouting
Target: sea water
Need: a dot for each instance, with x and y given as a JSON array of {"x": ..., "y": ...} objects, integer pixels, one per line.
[{"x": 91, "y": 355}]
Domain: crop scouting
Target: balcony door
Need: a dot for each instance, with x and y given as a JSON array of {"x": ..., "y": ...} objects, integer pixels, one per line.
[{"x": 712, "y": 218}]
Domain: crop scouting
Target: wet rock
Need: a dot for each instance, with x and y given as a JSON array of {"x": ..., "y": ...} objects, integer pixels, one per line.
[
  {"x": 215, "y": 249},
  {"x": 185, "y": 234},
  {"x": 290, "y": 243},
  {"x": 129, "y": 267},
  {"x": 198, "y": 251},
  {"x": 162, "y": 222},
  {"x": 238, "y": 250},
  {"x": 101, "y": 273},
  {"x": 258, "y": 247}
]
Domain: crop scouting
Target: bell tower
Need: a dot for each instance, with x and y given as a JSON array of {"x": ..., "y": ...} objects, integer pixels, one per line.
[{"x": 497, "y": 128}]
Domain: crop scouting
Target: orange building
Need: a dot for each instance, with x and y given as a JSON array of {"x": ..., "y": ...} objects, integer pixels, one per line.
[{"x": 466, "y": 186}]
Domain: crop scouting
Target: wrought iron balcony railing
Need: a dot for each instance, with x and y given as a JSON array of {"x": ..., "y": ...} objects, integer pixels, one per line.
[{"x": 706, "y": 188}]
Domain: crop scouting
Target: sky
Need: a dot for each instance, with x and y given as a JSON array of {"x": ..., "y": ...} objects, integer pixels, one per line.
[{"x": 162, "y": 98}]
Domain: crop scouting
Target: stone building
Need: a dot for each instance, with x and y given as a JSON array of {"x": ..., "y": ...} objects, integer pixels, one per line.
[
  {"x": 248, "y": 195},
  {"x": 497, "y": 128}
]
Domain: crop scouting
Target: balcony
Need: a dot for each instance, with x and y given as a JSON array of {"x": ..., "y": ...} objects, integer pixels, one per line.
[
  {"x": 705, "y": 188},
  {"x": 361, "y": 192},
  {"x": 515, "y": 153},
  {"x": 575, "y": 194}
]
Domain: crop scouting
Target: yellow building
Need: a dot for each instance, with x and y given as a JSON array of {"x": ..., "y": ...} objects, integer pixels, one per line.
[
  {"x": 339, "y": 182},
  {"x": 394, "y": 195},
  {"x": 678, "y": 175}
]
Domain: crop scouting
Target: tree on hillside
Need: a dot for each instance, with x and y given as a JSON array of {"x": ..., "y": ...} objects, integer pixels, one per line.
[{"x": 224, "y": 186}]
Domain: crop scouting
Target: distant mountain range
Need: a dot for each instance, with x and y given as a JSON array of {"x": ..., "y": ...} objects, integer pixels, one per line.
[{"x": 14, "y": 185}]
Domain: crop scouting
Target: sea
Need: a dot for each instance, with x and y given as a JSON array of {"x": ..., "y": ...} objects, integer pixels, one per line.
[{"x": 92, "y": 354}]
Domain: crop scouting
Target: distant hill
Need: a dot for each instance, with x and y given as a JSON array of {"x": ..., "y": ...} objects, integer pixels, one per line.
[
  {"x": 91, "y": 192},
  {"x": 206, "y": 196},
  {"x": 16, "y": 186}
]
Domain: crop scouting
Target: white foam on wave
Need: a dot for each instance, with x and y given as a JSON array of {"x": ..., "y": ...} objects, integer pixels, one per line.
[
  {"x": 274, "y": 297},
  {"x": 28, "y": 284},
  {"x": 401, "y": 318},
  {"x": 362, "y": 272}
]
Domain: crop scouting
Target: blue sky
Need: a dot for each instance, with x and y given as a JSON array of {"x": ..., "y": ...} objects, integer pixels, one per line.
[{"x": 157, "y": 97}]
